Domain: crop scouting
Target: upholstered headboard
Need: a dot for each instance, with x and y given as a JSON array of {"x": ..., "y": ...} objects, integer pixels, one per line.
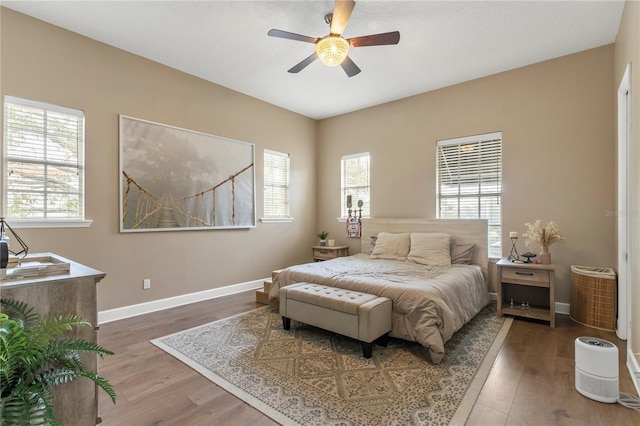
[{"x": 462, "y": 231}]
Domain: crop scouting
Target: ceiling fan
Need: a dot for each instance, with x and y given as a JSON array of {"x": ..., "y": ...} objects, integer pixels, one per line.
[{"x": 333, "y": 49}]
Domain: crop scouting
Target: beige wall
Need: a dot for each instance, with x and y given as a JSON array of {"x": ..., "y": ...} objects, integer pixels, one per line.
[
  {"x": 48, "y": 64},
  {"x": 557, "y": 121},
  {"x": 628, "y": 51}
]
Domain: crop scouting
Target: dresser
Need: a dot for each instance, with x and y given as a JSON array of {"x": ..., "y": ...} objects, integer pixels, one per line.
[
  {"x": 527, "y": 290},
  {"x": 73, "y": 292}
]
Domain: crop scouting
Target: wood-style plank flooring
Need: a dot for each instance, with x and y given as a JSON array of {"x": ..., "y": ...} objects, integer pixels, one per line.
[{"x": 531, "y": 382}]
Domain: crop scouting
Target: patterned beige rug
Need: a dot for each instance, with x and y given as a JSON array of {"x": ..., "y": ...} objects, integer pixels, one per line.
[{"x": 307, "y": 376}]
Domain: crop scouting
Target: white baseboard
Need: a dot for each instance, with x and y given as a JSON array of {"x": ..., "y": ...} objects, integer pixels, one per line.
[
  {"x": 171, "y": 302},
  {"x": 561, "y": 308},
  {"x": 634, "y": 368}
]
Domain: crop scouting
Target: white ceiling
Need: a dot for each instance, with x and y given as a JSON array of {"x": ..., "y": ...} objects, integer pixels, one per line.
[{"x": 441, "y": 42}]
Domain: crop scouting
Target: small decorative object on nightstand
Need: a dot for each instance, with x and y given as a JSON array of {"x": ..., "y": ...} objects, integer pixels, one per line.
[
  {"x": 531, "y": 286},
  {"x": 322, "y": 236},
  {"x": 513, "y": 256},
  {"x": 326, "y": 253},
  {"x": 543, "y": 236},
  {"x": 528, "y": 255}
]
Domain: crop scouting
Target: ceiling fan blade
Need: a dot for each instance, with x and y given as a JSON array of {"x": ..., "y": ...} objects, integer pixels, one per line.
[
  {"x": 304, "y": 63},
  {"x": 291, "y": 36},
  {"x": 375, "y": 39},
  {"x": 350, "y": 67},
  {"x": 341, "y": 14}
]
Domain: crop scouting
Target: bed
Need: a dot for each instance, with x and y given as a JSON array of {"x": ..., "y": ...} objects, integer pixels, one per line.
[{"x": 431, "y": 299}]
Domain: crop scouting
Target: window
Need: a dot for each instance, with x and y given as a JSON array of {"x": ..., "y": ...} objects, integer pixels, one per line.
[
  {"x": 355, "y": 183},
  {"x": 469, "y": 182},
  {"x": 43, "y": 162},
  {"x": 276, "y": 184}
]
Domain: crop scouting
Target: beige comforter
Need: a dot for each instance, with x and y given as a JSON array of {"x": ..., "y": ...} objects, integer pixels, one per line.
[{"x": 429, "y": 303}]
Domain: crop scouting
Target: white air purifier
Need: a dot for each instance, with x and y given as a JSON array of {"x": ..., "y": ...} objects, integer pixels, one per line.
[{"x": 597, "y": 369}]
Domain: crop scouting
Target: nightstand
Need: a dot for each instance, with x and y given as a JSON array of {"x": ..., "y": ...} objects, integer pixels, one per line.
[
  {"x": 326, "y": 252},
  {"x": 528, "y": 283}
]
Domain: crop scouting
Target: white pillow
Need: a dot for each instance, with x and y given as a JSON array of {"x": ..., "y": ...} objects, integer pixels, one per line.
[
  {"x": 391, "y": 246},
  {"x": 432, "y": 249}
]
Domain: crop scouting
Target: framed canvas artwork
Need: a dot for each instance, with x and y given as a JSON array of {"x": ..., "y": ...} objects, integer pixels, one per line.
[{"x": 176, "y": 179}]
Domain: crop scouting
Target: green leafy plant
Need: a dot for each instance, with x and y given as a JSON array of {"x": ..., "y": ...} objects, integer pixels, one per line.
[
  {"x": 35, "y": 356},
  {"x": 323, "y": 235}
]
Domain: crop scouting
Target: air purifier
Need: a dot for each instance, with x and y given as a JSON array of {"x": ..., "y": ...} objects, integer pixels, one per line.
[{"x": 597, "y": 369}]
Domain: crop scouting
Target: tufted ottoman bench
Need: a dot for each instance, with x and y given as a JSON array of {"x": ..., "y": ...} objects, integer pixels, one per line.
[{"x": 361, "y": 316}]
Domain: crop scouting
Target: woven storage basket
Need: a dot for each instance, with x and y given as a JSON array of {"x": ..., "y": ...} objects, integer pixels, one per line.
[{"x": 593, "y": 297}]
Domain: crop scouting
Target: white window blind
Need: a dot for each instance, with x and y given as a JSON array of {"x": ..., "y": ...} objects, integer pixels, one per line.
[
  {"x": 276, "y": 184},
  {"x": 43, "y": 161},
  {"x": 469, "y": 182},
  {"x": 355, "y": 183}
]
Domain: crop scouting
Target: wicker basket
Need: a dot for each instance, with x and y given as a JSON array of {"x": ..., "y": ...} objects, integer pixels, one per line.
[{"x": 593, "y": 297}]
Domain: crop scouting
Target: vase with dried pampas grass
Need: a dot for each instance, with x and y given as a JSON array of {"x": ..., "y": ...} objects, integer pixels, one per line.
[{"x": 543, "y": 236}]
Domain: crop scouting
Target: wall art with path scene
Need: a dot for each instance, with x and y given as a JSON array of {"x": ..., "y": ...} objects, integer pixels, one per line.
[{"x": 176, "y": 179}]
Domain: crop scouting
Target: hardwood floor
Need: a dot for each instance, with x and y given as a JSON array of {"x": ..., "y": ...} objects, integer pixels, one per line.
[{"x": 531, "y": 382}]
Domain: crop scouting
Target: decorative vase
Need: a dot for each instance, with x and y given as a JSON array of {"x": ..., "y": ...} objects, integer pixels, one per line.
[
  {"x": 545, "y": 256},
  {"x": 323, "y": 242}
]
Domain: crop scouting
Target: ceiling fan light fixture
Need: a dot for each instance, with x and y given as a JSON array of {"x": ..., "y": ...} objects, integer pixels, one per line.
[{"x": 332, "y": 50}]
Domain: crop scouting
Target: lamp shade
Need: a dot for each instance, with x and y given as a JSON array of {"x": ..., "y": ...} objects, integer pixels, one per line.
[{"x": 332, "y": 50}]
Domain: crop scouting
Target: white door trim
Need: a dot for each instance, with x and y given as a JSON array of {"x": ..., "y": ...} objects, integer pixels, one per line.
[{"x": 624, "y": 111}]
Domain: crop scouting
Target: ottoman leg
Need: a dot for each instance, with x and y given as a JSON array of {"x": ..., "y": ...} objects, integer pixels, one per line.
[
  {"x": 286, "y": 323},
  {"x": 367, "y": 349},
  {"x": 383, "y": 340}
]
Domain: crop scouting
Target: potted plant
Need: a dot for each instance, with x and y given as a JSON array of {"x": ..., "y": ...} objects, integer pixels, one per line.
[
  {"x": 35, "y": 357},
  {"x": 323, "y": 237}
]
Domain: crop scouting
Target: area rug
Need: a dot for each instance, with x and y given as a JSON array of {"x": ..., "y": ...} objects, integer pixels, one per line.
[{"x": 307, "y": 376}]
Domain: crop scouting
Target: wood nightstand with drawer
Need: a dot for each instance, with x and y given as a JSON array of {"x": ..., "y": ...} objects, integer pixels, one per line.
[
  {"x": 529, "y": 283},
  {"x": 326, "y": 252}
]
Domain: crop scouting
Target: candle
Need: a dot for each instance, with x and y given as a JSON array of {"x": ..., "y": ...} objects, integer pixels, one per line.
[{"x": 513, "y": 234}]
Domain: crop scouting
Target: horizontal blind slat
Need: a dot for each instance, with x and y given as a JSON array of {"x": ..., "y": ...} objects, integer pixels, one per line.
[
  {"x": 356, "y": 183},
  {"x": 43, "y": 160},
  {"x": 469, "y": 181},
  {"x": 276, "y": 184}
]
